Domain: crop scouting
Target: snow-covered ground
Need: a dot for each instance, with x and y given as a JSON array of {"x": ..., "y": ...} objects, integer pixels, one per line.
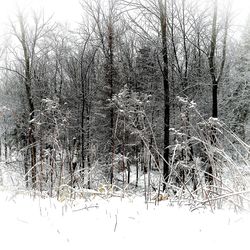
[{"x": 115, "y": 223}]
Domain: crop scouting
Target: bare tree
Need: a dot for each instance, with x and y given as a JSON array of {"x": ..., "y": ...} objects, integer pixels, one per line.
[
  {"x": 163, "y": 22},
  {"x": 105, "y": 22},
  {"x": 216, "y": 72},
  {"x": 155, "y": 15},
  {"x": 29, "y": 37}
]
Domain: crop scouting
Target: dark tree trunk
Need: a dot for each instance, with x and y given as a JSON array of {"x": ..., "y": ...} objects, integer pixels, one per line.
[
  {"x": 5, "y": 147},
  {"x": 211, "y": 60},
  {"x": 166, "y": 168},
  {"x": 215, "y": 100},
  {"x": 212, "y": 63},
  {"x": 137, "y": 164},
  {"x": 88, "y": 143},
  {"x": 27, "y": 82},
  {"x": 41, "y": 175},
  {"x": 110, "y": 80},
  {"x": 26, "y": 168},
  {"x": 216, "y": 76},
  {"x": 82, "y": 119},
  {"x": 32, "y": 142}
]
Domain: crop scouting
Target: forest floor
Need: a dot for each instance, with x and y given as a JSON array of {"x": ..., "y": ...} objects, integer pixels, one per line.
[{"x": 29, "y": 222}]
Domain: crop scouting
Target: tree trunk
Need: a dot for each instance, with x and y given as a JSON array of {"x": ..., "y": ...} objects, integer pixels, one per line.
[
  {"x": 32, "y": 142},
  {"x": 5, "y": 147},
  {"x": 212, "y": 63},
  {"x": 41, "y": 166},
  {"x": 88, "y": 143},
  {"x": 110, "y": 83},
  {"x": 26, "y": 168},
  {"x": 166, "y": 168},
  {"x": 27, "y": 82},
  {"x": 82, "y": 121}
]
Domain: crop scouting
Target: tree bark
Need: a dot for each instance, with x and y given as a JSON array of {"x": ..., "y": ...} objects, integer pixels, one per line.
[
  {"x": 110, "y": 74},
  {"x": 27, "y": 82},
  {"x": 163, "y": 20},
  {"x": 212, "y": 63},
  {"x": 216, "y": 75}
]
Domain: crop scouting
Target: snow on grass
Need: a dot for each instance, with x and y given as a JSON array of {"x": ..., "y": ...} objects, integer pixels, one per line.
[{"x": 115, "y": 223}]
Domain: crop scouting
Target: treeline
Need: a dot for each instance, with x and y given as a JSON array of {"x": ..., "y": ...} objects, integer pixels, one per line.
[{"x": 131, "y": 89}]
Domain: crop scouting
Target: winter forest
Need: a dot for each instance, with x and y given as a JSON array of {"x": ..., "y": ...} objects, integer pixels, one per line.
[{"x": 142, "y": 97}]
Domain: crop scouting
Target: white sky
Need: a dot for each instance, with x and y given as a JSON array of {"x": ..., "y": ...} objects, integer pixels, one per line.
[
  {"x": 63, "y": 10},
  {"x": 242, "y": 9},
  {"x": 70, "y": 10}
]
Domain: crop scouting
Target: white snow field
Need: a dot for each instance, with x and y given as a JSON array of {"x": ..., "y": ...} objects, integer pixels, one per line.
[{"x": 115, "y": 223}]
